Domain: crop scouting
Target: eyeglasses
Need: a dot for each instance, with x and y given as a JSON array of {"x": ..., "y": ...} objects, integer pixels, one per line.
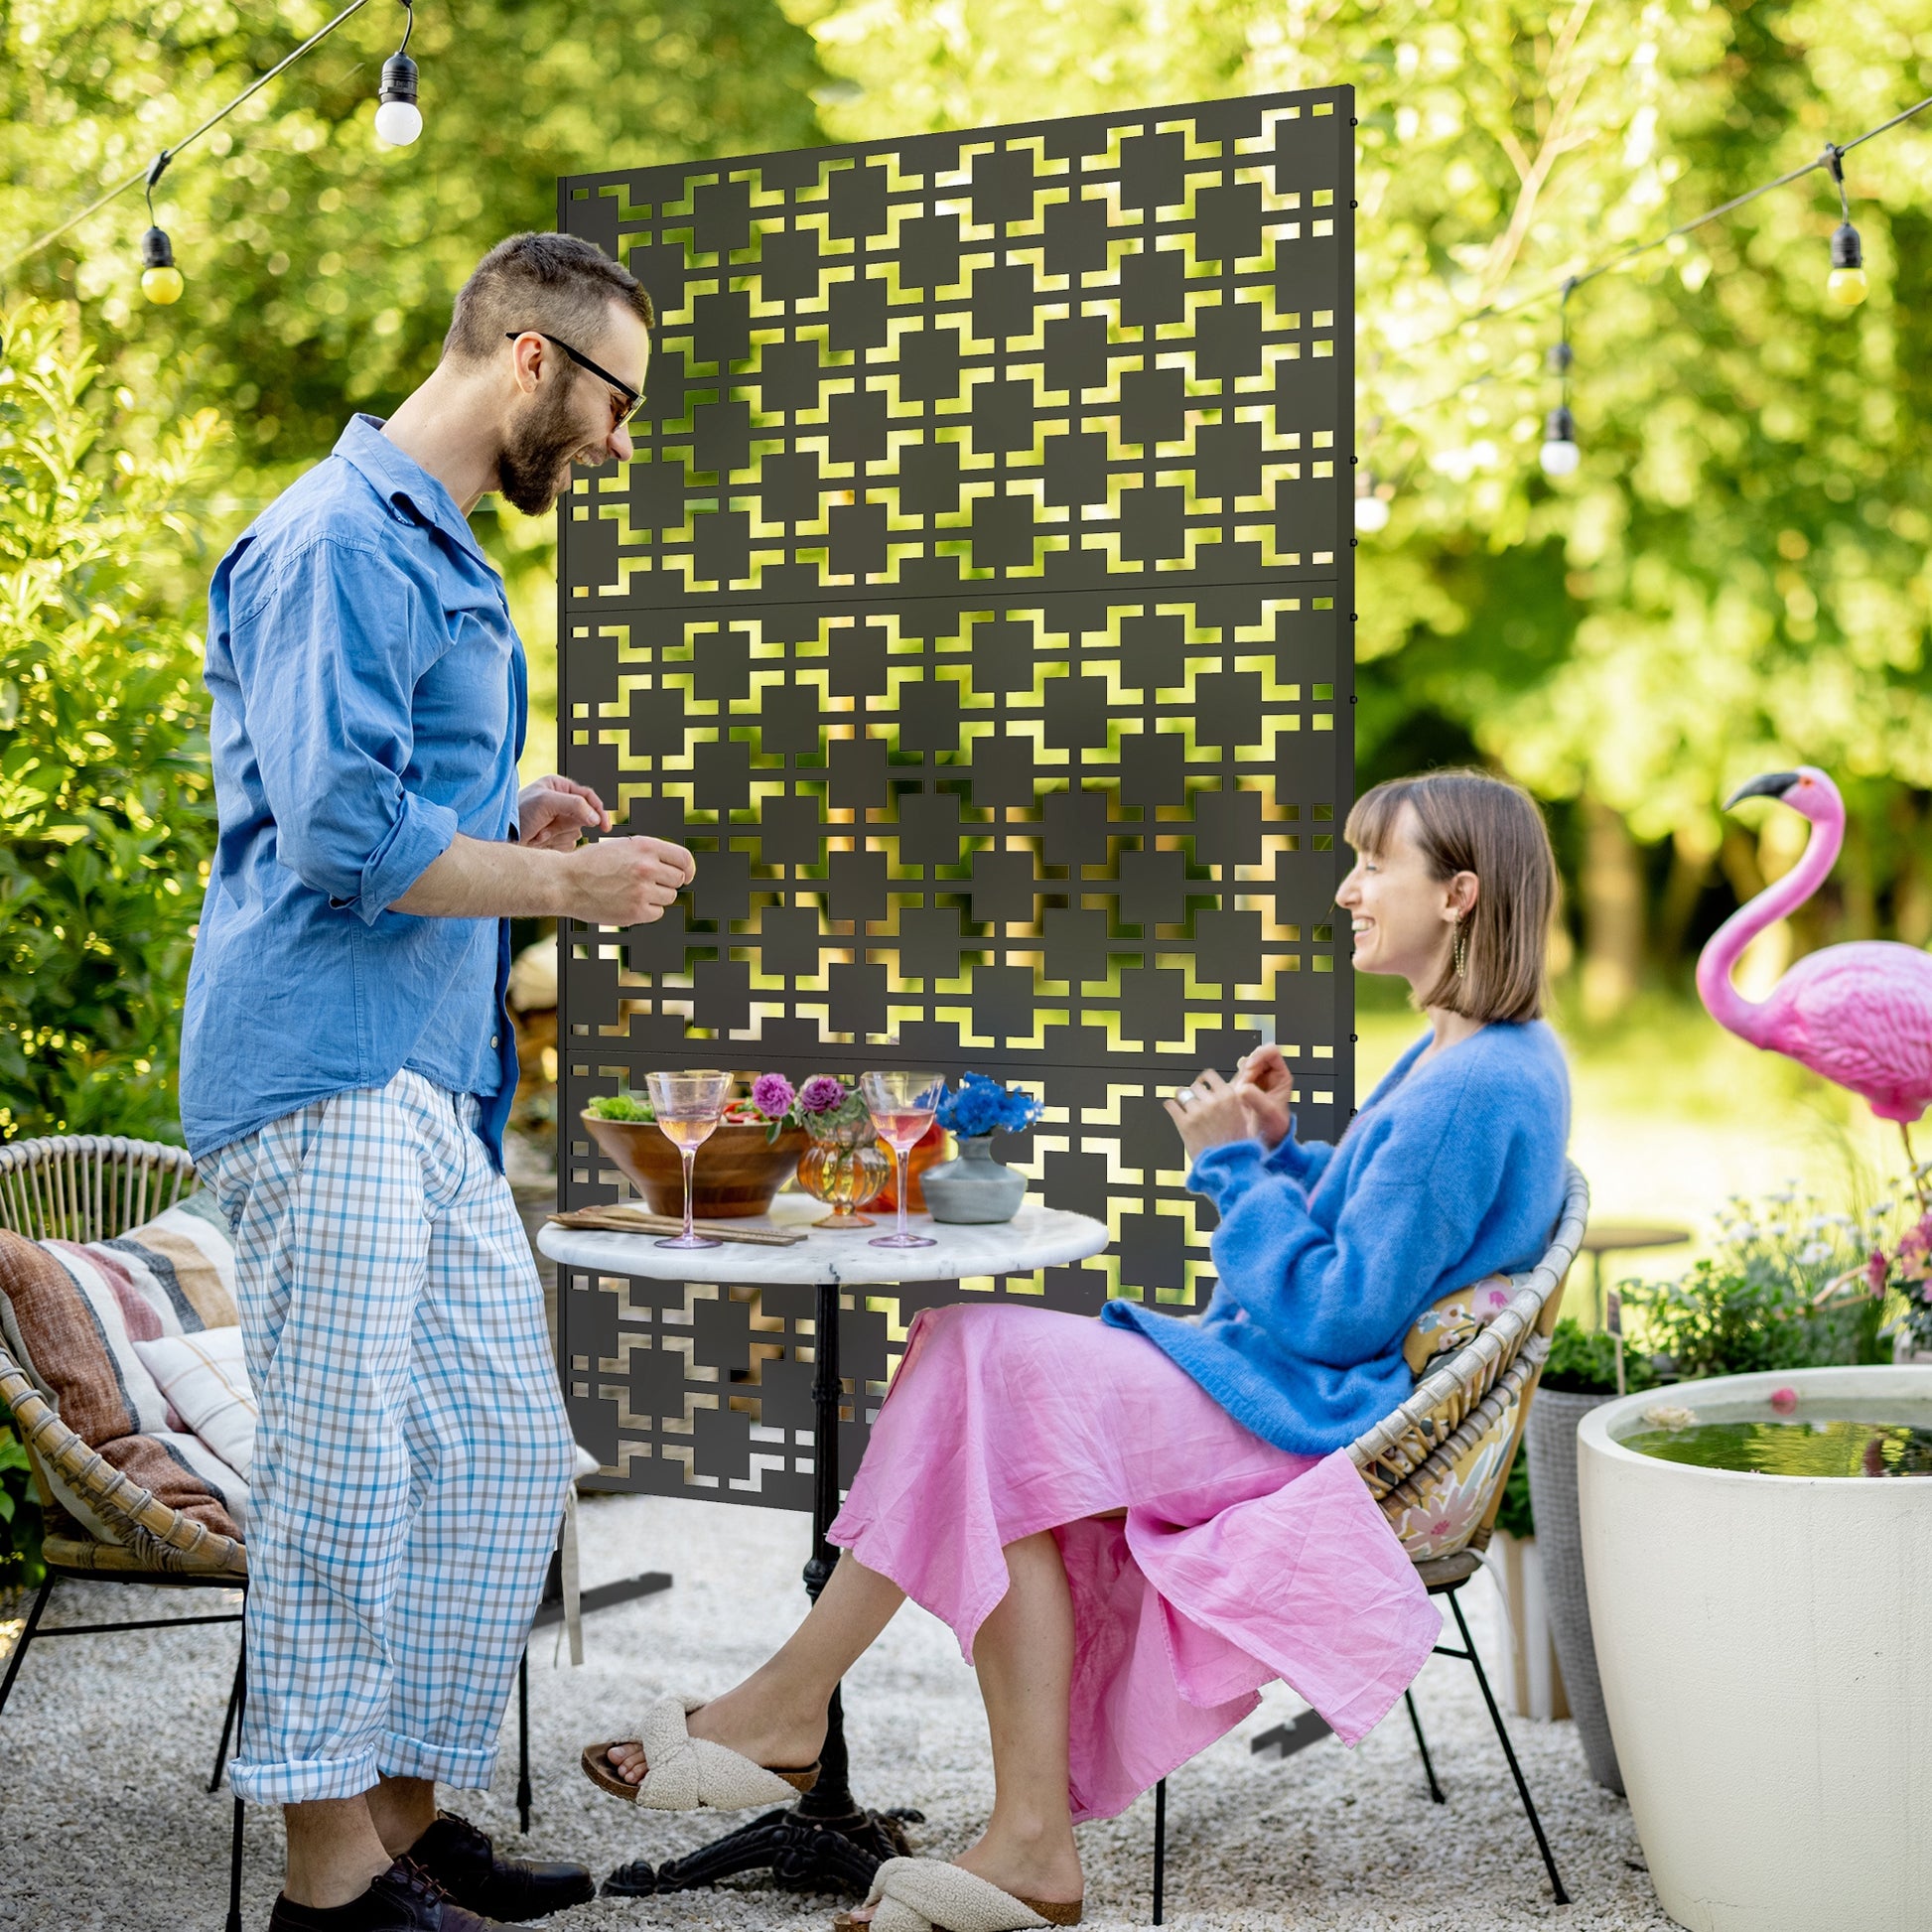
[{"x": 632, "y": 399}]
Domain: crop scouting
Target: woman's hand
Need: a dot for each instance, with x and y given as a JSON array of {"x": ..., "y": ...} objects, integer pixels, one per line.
[
  {"x": 1265, "y": 1086},
  {"x": 1210, "y": 1113}
]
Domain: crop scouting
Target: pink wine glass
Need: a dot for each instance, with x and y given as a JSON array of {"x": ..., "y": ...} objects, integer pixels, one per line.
[
  {"x": 902, "y": 1106},
  {"x": 688, "y": 1107}
]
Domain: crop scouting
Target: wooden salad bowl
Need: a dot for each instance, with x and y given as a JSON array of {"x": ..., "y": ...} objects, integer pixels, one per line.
[{"x": 735, "y": 1175}]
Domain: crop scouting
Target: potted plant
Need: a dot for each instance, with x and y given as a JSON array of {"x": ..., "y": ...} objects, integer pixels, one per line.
[
  {"x": 1580, "y": 1374},
  {"x": 752, "y": 1152},
  {"x": 1767, "y": 1719},
  {"x": 973, "y": 1187}
]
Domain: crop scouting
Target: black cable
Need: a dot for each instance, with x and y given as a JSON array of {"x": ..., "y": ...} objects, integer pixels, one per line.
[
  {"x": 1831, "y": 159},
  {"x": 153, "y": 171}
]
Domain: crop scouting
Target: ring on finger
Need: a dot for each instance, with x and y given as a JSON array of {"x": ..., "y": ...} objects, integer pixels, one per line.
[{"x": 1185, "y": 1095}]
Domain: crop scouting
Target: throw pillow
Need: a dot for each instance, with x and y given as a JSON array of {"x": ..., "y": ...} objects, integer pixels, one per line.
[
  {"x": 71, "y": 1314},
  {"x": 1454, "y": 1321},
  {"x": 205, "y": 1380}
]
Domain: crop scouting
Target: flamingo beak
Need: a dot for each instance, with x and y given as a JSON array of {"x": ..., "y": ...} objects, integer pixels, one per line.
[{"x": 1773, "y": 785}]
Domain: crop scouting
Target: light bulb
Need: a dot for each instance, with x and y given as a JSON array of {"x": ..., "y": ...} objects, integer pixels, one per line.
[
  {"x": 161, "y": 280},
  {"x": 1847, "y": 285},
  {"x": 1371, "y": 514},
  {"x": 1560, "y": 454},
  {"x": 398, "y": 122}
]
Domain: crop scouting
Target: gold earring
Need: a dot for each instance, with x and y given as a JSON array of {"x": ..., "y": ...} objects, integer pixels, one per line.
[{"x": 1462, "y": 951}]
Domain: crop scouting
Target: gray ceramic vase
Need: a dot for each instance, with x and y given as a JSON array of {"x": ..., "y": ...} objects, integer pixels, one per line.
[
  {"x": 975, "y": 1187},
  {"x": 1552, "y": 1445}
]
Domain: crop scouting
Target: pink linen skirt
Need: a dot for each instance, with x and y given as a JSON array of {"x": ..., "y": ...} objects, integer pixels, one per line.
[{"x": 1236, "y": 1563}]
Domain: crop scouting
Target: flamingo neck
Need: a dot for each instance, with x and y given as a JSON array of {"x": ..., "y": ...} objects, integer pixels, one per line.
[{"x": 1725, "y": 1002}]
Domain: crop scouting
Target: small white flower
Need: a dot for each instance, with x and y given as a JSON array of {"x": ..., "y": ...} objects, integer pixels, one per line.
[{"x": 1669, "y": 1415}]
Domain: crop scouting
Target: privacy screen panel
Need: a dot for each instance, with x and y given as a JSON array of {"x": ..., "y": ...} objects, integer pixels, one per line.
[{"x": 977, "y": 608}]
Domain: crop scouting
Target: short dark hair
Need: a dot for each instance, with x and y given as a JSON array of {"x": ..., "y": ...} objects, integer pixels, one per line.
[
  {"x": 554, "y": 283},
  {"x": 1473, "y": 821}
]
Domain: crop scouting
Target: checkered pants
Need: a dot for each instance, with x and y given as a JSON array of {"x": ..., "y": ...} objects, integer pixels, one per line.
[{"x": 412, "y": 1455}]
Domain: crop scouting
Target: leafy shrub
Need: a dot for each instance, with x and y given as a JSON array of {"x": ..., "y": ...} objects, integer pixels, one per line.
[
  {"x": 20, "y": 1515},
  {"x": 1582, "y": 1362},
  {"x": 105, "y": 797},
  {"x": 1787, "y": 1289}
]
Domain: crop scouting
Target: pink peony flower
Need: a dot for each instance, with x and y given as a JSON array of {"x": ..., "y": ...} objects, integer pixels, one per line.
[
  {"x": 1784, "y": 1400},
  {"x": 771, "y": 1095},
  {"x": 1877, "y": 1271},
  {"x": 820, "y": 1094}
]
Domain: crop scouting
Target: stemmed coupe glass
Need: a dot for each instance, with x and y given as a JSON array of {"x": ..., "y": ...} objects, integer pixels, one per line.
[
  {"x": 902, "y": 1106},
  {"x": 688, "y": 1107}
]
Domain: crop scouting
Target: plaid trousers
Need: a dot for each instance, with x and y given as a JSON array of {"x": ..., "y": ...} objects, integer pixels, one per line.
[{"x": 413, "y": 1453}]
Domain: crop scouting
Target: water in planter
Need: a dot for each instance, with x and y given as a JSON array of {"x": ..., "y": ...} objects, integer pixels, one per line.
[{"x": 1846, "y": 1438}]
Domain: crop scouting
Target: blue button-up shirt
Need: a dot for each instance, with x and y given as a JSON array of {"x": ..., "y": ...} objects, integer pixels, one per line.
[{"x": 369, "y": 701}]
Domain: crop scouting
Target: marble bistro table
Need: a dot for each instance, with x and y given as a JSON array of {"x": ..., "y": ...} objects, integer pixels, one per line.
[{"x": 827, "y": 1841}]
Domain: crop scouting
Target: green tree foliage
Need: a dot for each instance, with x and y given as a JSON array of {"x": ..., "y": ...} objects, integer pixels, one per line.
[
  {"x": 20, "y": 1517},
  {"x": 321, "y": 266},
  {"x": 1736, "y": 577},
  {"x": 105, "y": 818}
]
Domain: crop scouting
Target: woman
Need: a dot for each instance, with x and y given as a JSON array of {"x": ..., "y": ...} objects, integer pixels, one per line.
[{"x": 1132, "y": 1524}]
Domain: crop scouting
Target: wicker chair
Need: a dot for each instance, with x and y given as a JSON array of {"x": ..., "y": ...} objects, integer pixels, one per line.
[
  {"x": 1452, "y": 1410},
  {"x": 92, "y": 1188}
]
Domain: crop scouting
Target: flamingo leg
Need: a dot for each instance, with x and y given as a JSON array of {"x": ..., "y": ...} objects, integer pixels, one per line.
[{"x": 1911, "y": 1163}]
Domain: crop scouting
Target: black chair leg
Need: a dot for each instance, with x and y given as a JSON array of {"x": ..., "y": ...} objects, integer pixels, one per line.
[
  {"x": 1515, "y": 1770},
  {"x": 523, "y": 1742},
  {"x": 238, "y": 1704},
  {"x": 26, "y": 1637},
  {"x": 1159, "y": 1850},
  {"x": 1421, "y": 1745},
  {"x": 227, "y": 1727}
]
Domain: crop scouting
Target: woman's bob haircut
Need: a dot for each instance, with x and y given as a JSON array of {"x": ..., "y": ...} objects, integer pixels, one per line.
[{"x": 1471, "y": 821}]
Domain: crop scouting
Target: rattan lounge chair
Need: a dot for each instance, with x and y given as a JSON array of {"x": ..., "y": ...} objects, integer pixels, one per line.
[{"x": 1486, "y": 1384}]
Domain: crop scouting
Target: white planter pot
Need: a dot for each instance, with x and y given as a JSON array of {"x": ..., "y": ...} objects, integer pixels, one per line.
[{"x": 1770, "y": 1687}]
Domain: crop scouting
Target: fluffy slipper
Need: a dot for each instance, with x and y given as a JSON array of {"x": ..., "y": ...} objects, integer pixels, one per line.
[
  {"x": 686, "y": 1773},
  {"x": 928, "y": 1895}
]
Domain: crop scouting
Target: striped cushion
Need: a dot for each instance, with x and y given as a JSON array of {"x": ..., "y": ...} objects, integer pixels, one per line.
[{"x": 72, "y": 1314}]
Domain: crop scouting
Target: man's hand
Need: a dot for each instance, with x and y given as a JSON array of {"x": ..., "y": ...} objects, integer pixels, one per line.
[
  {"x": 1264, "y": 1085},
  {"x": 552, "y": 813},
  {"x": 626, "y": 882},
  {"x": 1210, "y": 1113}
]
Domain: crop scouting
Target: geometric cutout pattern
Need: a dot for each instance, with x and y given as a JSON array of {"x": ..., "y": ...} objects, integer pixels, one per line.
[{"x": 978, "y": 607}]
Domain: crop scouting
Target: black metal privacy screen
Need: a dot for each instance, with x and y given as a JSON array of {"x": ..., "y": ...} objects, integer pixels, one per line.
[{"x": 977, "y": 609}]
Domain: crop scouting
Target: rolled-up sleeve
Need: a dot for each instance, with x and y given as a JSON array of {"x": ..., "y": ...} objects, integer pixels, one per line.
[{"x": 328, "y": 657}]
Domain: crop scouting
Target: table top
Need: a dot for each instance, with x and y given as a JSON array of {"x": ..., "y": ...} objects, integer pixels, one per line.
[
  {"x": 1607, "y": 1237},
  {"x": 1036, "y": 1237}
]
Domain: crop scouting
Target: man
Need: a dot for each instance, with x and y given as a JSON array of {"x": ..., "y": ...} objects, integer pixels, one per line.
[{"x": 346, "y": 1069}]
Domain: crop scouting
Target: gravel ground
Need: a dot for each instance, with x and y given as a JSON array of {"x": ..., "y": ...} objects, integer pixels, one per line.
[{"x": 106, "y": 1744}]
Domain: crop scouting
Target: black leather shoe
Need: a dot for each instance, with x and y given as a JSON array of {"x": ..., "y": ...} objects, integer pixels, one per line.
[
  {"x": 465, "y": 1865},
  {"x": 405, "y": 1898}
]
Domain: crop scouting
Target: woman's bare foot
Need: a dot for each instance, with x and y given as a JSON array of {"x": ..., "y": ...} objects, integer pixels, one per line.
[
  {"x": 1042, "y": 1866},
  {"x": 748, "y": 1719}
]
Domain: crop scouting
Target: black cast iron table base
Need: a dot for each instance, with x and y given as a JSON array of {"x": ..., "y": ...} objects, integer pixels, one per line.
[{"x": 827, "y": 1842}]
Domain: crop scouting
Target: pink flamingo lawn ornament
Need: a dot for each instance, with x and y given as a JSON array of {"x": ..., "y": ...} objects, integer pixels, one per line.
[{"x": 1858, "y": 1014}]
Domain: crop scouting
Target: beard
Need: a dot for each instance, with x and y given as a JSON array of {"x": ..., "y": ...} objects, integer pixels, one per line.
[{"x": 534, "y": 467}]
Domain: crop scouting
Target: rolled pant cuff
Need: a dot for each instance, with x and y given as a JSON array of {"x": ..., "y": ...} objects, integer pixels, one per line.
[
  {"x": 295, "y": 1782},
  {"x": 410, "y": 1757}
]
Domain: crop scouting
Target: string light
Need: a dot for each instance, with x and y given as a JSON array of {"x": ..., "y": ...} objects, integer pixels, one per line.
[
  {"x": 399, "y": 120},
  {"x": 1560, "y": 454},
  {"x": 1845, "y": 284},
  {"x": 161, "y": 280}
]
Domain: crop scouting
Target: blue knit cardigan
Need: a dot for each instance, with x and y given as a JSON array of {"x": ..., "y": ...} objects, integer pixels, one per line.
[{"x": 1451, "y": 1172}]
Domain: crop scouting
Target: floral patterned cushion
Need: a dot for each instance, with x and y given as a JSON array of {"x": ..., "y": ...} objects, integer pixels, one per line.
[
  {"x": 1437, "y": 1516},
  {"x": 1457, "y": 1319}
]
